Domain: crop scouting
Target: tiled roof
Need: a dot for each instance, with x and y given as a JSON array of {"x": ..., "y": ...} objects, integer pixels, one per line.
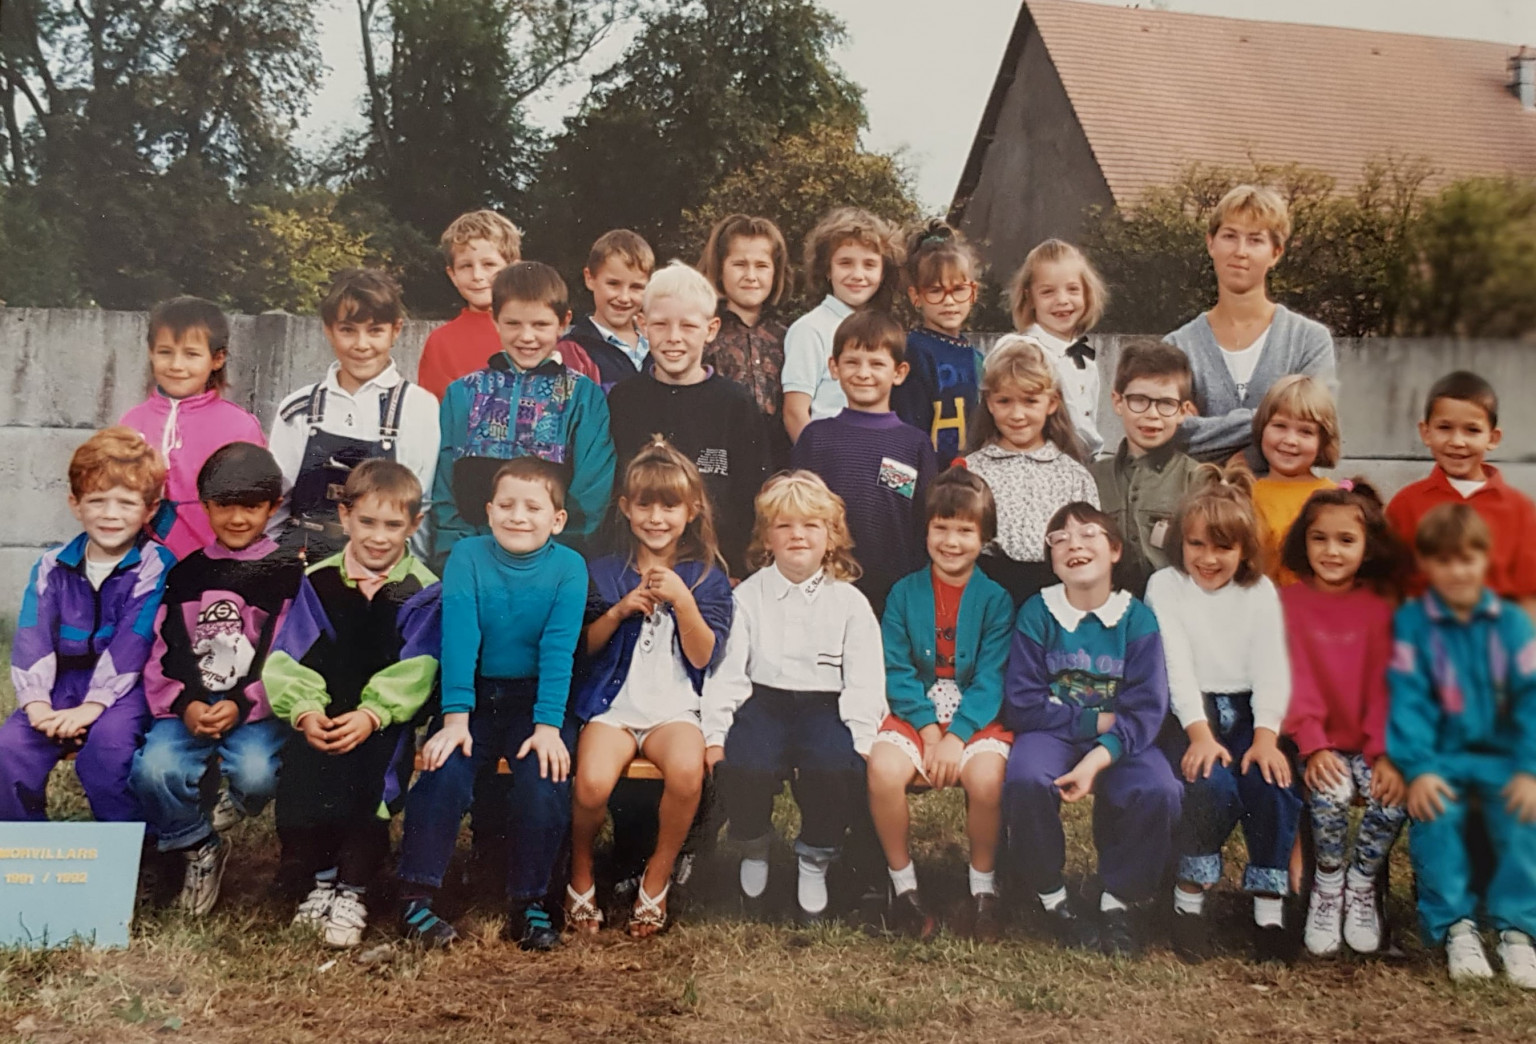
[{"x": 1155, "y": 91}]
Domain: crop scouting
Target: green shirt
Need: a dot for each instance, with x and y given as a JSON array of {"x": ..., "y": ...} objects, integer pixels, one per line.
[{"x": 1142, "y": 495}]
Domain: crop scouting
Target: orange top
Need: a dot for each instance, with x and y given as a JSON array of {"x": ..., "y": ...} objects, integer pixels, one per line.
[{"x": 1278, "y": 503}]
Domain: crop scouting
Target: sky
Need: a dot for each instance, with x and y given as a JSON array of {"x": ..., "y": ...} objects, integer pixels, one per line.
[{"x": 926, "y": 79}]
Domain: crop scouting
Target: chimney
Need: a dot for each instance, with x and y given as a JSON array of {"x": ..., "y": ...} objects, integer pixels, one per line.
[{"x": 1522, "y": 78}]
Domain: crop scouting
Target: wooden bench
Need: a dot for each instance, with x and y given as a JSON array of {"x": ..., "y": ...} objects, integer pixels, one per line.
[{"x": 639, "y": 768}]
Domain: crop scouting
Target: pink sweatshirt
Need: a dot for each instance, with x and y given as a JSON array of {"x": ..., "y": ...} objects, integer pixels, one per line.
[
  {"x": 187, "y": 432},
  {"x": 1340, "y": 646}
]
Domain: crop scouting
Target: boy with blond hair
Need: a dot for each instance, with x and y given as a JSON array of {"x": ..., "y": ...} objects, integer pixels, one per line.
[
  {"x": 475, "y": 247},
  {"x": 84, "y": 634},
  {"x": 618, "y": 268}
]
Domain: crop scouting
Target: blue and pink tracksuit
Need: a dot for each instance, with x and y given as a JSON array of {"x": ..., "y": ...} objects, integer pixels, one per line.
[{"x": 78, "y": 644}]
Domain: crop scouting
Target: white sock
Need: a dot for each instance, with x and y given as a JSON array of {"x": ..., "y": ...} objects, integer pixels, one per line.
[
  {"x": 905, "y": 879},
  {"x": 983, "y": 883},
  {"x": 1109, "y": 903},
  {"x": 754, "y": 877},
  {"x": 1052, "y": 900},
  {"x": 1359, "y": 881},
  {"x": 1268, "y": 911},
  {"x": 1191, "y": 904},
  {"x": 812, "y": 889},
  {"x": 1331, "y": 880}
]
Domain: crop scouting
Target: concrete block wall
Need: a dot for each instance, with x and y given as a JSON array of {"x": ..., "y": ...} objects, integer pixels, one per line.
[{"x": 75, "y": 371}]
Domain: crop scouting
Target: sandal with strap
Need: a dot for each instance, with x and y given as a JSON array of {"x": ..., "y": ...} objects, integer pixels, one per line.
[
  {"x": 581, "y": 912},
  {"x": 649, "y": 917}
]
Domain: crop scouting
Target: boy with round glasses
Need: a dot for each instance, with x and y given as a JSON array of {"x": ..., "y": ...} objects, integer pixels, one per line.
[{"x": 1141, "y": 485}]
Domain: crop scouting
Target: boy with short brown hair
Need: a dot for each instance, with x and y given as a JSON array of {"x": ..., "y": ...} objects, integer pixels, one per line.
[
  {"x": 1460, "y": 428},
  {"x": 1141, "y": 485},
  {"x": 475, "y": 247},
  {"x": 618, "y": 268}
]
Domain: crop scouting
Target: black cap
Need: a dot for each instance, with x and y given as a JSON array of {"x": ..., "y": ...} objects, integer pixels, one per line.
[{"x": 240, "y": 473}]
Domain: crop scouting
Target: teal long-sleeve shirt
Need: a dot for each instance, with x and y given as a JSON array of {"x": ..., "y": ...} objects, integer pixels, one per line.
[
  {"x": 512, "y": 616},
  {"x": 502, "y": 412},
  {"x": 1461, "y": 687}
]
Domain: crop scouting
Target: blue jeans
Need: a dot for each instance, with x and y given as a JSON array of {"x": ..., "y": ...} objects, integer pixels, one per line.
[
  {"x": 539, "y": 814},
  {"x": 1213, "y": 806},
  {"x": 168, "y": 771},
  {"x": 1442, "y": 867}
]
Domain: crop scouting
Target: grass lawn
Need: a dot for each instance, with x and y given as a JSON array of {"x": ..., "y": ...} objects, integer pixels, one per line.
[{"x": 244, "y": 975}]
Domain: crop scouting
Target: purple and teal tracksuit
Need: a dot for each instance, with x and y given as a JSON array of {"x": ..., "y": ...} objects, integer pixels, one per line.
[{"x": 79, "y": 644}]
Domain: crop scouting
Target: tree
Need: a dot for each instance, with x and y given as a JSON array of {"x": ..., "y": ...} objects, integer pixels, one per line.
[
  {"x": 803, "y": 178},
  {"x": 707, "y": 88},
  {"x": 144, "y": 121},
  {"x": 447, "y": 84},
  {"x": 1477, "y": 260}
]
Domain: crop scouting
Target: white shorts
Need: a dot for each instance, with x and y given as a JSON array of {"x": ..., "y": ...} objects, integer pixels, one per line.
[{"x": 638, "y": 734}]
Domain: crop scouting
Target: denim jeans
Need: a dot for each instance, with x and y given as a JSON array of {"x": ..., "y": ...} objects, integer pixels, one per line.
[
  {"x": 539, "y": 816},
  {"x": 168, "y": 772}
]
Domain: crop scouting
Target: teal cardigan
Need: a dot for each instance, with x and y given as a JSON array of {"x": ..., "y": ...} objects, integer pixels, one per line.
[{"x": 983, "y": 631}]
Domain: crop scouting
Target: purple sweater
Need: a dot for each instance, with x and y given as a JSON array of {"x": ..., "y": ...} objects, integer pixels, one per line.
[
  {"x": 75, "y": 644},
  {"x": 881, "y": 468}
]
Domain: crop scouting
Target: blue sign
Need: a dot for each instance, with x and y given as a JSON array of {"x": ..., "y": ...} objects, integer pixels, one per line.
[{"x": 61, "y": 882}]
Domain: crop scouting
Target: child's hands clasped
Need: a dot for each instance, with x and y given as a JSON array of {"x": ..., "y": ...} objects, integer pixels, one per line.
[
  {"x": 666, "y": 586},
  {"x": 1387, "y": 783},
  {"x": 941, "y": 756},
  {"x": 554, "y": 759},
  {"x": 1265, "y": 752},
  {"x": 454, "y": 735},
  {"x": 1427, "y": 796},
  {"x": 638, "y": 602},
  {"x": 1325, "y": 771},
  {"x": 1203, "y": 754},
  {"x": 1520, "y": 797},
  {"x": 210, "y": 721},
  {"x": 40, "y": 715}
]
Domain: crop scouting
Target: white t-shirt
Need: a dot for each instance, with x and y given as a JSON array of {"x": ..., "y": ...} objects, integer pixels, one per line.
[
  {"x": 1241, "y": 364},
  {"x": 97, "y": 572},
  {"x": 807, "y": 348},
  {"x": 1466, "y": 487},
  {"x": 656, "y": 689}
]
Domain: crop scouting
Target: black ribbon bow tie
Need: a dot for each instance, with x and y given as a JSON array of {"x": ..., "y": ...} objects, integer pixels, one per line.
[{"x": 1080, "y": 352}]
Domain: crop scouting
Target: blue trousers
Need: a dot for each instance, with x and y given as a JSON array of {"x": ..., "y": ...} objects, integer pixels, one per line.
[
  {"x": 168, "y": 772},
  {"x": 1135, "y": 809},
  {"x": 1443, "y": 869},
  {"x": 1213, "y": 806},
  {"x": 539, "y": 814},
  {"x": 776, "y": 733}
]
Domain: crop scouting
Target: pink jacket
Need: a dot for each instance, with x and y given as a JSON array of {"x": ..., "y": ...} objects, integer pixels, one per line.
[{"x": 187, "y": 432}]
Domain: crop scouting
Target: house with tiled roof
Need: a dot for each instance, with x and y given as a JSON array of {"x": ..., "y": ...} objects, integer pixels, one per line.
[{"x": 1093, "y": 104}]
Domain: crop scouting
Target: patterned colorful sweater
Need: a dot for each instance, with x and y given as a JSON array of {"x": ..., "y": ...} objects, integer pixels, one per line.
[
  {"x": 1068, "y": 666},
  {"x": 76, "y": 644},
  {"x": 502, "y": 412}
]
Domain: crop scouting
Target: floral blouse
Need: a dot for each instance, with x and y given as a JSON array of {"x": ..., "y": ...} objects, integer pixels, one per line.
[
  {"x": 1029, "y": 488},
  {"x": 752, "y": 356}
]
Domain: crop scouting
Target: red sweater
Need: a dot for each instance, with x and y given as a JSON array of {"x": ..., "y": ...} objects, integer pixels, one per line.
[
  {"x": 466, "y": 343},
  {"x": 1340, "y": 646},
  {"x": 1510, "y": 516}
]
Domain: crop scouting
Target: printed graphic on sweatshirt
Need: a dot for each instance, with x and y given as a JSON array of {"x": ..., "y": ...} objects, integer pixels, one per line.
[
  {"x": 1085, "y": 689},
  {"x": 713, "y": 462},
  {"x": 218, "y": 640},
  {"x": 898, "y": 477}
]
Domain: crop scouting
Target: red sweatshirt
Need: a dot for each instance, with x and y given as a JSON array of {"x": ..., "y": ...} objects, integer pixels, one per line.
[
  {"x": 1340, "y": 646},
  {"x": 1510, "y": 515},
  {"x": 466, "y": 343}
]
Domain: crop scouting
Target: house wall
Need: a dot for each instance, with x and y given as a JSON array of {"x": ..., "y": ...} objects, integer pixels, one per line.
[{"x": 1039, "y": 175}]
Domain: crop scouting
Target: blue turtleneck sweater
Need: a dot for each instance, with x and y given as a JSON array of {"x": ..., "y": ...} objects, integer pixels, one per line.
[{"x": 512, "y": 616}]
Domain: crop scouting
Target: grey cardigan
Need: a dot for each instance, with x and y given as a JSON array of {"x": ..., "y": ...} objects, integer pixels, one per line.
[{"x": 1296, "y": 344}]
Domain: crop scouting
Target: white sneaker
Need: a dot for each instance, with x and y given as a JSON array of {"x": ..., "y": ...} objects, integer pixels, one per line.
[
  {"x": 316, "y": 906},
  {"x": 1325, "y": 915},
  {"x": 1464, "y": 953},
  {"x": 1519, "y": 959},
  {"x": 205, "y": 872},
  {"x": 347, "y": 918},
  {"x": 226, "y": 814},
  {"x": 1362, "y": 919}
]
